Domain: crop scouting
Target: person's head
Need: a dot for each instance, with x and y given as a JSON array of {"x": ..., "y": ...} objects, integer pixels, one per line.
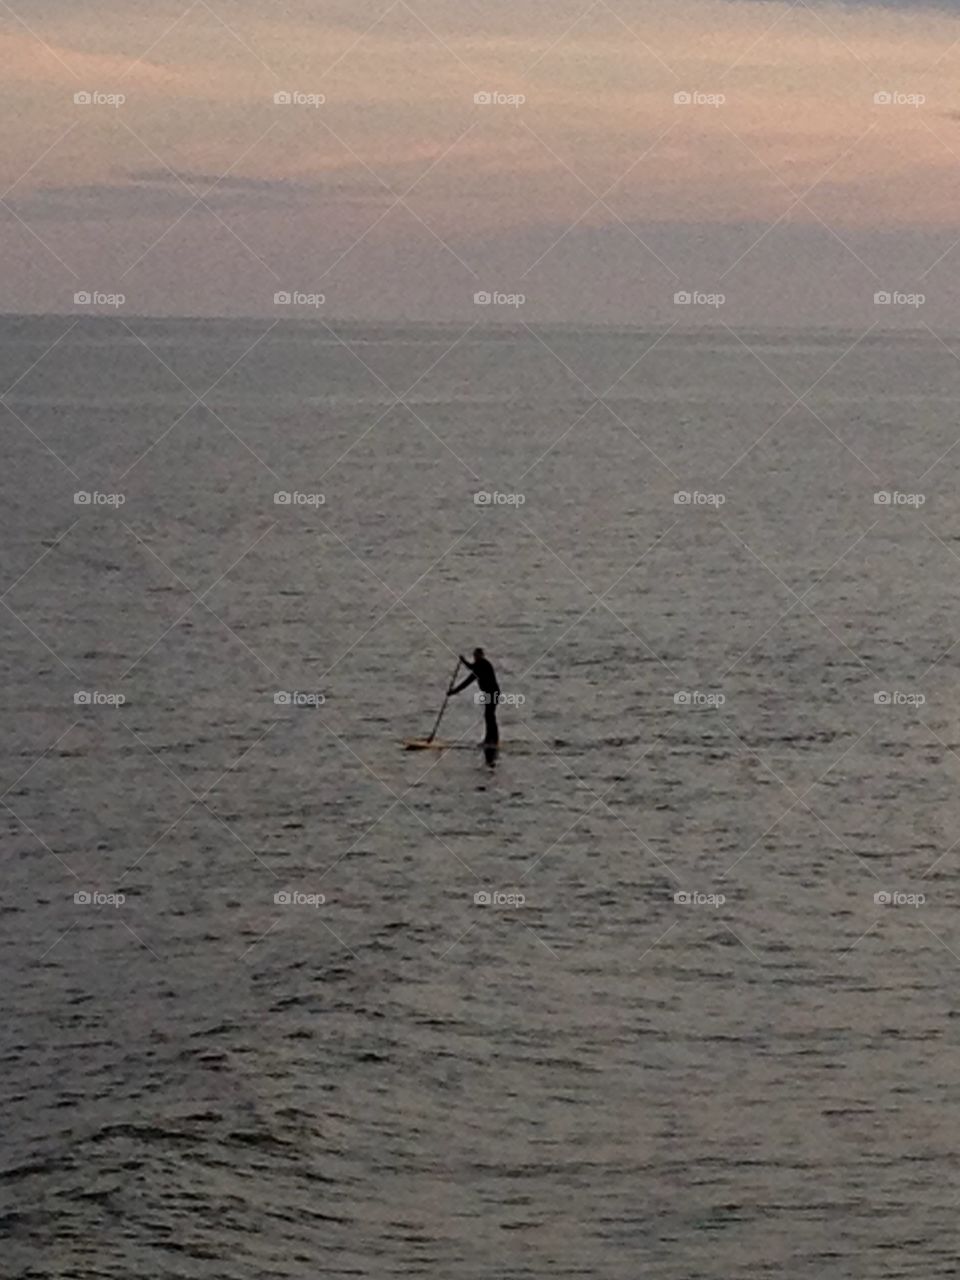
[{"x": 477, "y": 655}]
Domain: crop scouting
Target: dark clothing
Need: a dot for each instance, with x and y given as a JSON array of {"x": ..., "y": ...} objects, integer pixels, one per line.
[{"x": 482, "y": 671}]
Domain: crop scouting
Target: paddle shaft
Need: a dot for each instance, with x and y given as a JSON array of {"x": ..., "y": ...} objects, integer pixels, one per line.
[{"x": 433, "y": 731}]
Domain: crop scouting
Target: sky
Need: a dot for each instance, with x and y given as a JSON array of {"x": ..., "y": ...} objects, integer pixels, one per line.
[{"x": 778, "y": 189}]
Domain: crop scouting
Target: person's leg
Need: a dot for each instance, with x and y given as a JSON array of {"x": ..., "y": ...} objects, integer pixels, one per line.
[{"x": 492, "y": 735}]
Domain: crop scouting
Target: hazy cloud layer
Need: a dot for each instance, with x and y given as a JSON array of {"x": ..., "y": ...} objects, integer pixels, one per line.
[{"x": 820, "y": 129}]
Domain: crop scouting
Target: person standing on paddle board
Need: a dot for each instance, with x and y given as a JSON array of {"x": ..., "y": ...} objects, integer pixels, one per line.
[{"x": 481, "y": 670}]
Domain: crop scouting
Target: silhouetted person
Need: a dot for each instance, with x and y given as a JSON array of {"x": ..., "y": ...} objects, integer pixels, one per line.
[{"x": 482, "y": 671}]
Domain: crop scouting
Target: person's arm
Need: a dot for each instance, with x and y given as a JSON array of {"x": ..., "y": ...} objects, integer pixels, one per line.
[{"x": 463, "y": 683}]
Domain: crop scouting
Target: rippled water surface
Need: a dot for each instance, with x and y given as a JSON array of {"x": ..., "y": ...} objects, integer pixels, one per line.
[{"x": 203, "y": 1081}]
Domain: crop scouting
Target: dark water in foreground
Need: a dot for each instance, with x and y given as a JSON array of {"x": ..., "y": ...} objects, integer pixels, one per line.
[{"x": 601, "y": 1082}]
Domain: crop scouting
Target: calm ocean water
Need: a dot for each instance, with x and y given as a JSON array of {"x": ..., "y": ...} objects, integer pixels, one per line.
[{"x": 750, "y": 698}]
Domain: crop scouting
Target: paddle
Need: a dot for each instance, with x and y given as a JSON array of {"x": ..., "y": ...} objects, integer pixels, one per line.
[{"x": 433, "y": 731}]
